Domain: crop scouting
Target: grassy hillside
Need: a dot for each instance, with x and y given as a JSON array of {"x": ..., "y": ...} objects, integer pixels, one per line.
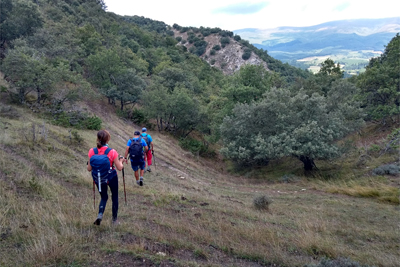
[{"x": 191, "y": 211}]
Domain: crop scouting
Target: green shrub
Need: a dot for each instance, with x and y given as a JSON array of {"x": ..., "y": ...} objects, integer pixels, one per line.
[
  {"x": 76, "y": 137},
  {"x": 389, "y": 169},
  {"x": 216, "y": 47},
  {"x": 92, "y": 123},
  {"x": 178, "y": 38},
  {"x": 77, "y": 120},
  {"x": 195, "y": 146},
  {"x": 374, "y": 148},
  {"x": 247, "y": 54},
  {"x": 212, "y": 61},
  {"x": 212, "y": 52},
  {"x": 262, "y": 202},
  {"x": 237, "y": 38},
  {"x": 176, "y": 26},
  {"x": 225, "y": 41},
  {"x": 200, "y": 50},
  {"x": 138, "y": 116}
]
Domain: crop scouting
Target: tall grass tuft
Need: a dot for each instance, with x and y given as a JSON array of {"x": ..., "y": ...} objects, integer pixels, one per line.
[{"x": 262, "y": 202}]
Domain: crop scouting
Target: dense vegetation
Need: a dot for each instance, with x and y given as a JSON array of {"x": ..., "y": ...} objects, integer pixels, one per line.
[{"x": 55, "y": 53}]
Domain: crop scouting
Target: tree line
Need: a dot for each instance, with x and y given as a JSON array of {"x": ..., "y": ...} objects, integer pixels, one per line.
[{"x": 54, "y": 53}]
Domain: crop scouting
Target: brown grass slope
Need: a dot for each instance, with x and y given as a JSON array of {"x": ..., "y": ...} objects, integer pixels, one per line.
[{"x": 187, "y": 214}]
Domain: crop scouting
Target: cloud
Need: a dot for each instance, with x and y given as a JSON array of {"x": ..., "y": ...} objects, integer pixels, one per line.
[
  {"x": 342, "y": 6},
  {"x": 241, "y": 8}
]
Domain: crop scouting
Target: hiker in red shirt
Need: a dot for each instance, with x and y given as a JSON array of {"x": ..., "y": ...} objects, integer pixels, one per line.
[{"x": 102, "y": 160}]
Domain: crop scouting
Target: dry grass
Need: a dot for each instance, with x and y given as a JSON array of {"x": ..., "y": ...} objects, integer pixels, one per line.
[{"x": 194, "y": 214}]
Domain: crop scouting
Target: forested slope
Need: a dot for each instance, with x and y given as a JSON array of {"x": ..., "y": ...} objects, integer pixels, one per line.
[{"x": 258, "y": 168}]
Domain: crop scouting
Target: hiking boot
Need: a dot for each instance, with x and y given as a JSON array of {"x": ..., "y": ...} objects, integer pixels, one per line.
[
  {"x": 138, "y": 182},
  {"x": 98, "y": 220},
  {"x": 148, "y": 169},
  {"x": 141, "y": 181},
  {"x": 115, "y": 222}
]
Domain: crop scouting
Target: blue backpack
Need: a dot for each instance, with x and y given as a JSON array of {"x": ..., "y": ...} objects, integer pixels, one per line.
[
  {"x": 136, "y": 151},
  {"x": 101, "y": 169},
  {"x": 146, "y": 138}
]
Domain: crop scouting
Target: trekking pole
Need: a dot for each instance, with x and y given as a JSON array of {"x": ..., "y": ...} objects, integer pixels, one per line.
[
  {"x": 123, "y": 179},
  {"x": 154, "y": 158},
  {"x": 94, "y": 197}
]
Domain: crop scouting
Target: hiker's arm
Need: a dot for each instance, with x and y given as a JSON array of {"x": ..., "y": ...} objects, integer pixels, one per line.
[
  {"x": 118, "y": 162},
  {"x": 152, "y": 148},
  {"x": 146, "y": 148},
  {"x": 126, "y": 154},
  {"x": 89, "y": 167}
]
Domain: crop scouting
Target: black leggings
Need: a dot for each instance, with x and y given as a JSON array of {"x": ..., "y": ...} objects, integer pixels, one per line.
[{"x": 113, "y": 184}]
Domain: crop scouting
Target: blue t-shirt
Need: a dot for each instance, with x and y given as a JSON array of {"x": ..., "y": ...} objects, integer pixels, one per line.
[
  {"x": 136, "y": 138},
  {"x": 148, "y": 137}
]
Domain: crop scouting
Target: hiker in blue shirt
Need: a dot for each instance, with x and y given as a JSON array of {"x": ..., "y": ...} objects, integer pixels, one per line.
[
  {"x": 149, "y": 154},
  {"x": 136, "y": 147}
]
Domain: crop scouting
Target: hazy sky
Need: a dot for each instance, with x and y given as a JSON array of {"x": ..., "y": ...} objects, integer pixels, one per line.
[{"x": 238, "y": 14}]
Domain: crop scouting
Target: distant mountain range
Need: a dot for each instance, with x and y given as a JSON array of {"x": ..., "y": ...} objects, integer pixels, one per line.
[{"x": 368, "y": 36}]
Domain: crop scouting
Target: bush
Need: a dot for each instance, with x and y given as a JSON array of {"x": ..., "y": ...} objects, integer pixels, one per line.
[
  {"x": 262, "y": 202},
  {"x": 92, "y": 123},
  {"x": 176, "y": 27},
  {"x": 340, "y": 262},
  {"x": 212, "y": 61},
  {"x": 195, "y": 146},
  {"x": 75, "y": 137},
  {"x": 389, "y": 169},
  {"x": 135, "y": 115},
  {"x": 247, "y": 54},
  {"x": 77, "y": 120},
  {"x": 212, "y": 52},
  {"x": 237, "y": 38},
  {"x": 217, "y": 47},
  {"x": 178, "y": 38},
  {"x": 192, "y": 49},
  {"x": 225, "y": 41}
]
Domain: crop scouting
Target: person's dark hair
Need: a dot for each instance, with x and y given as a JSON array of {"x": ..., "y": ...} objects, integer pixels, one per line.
[{"x": 103, "y": 136}]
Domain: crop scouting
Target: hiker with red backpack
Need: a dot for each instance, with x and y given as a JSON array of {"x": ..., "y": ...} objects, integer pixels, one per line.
[
  {"x": 102, "y": 160},
  {"x": 136, "y": 148},
  {"x": 150, "y": 151}
]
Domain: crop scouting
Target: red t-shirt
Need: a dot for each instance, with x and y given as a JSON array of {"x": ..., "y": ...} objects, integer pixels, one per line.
[{"x": 112, "y": 155}]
